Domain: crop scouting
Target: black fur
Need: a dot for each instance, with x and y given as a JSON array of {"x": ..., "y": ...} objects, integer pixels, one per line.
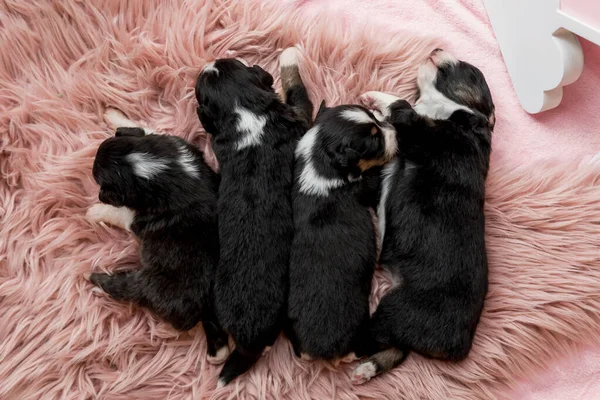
[
  {"x": 176, "y": 223},
  {"x": 334, "y": 249},
  {"x": 255, "y": 211},
  {"x": 434, "y": 234}
]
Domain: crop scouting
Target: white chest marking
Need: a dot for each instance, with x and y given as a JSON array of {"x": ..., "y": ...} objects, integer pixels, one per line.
[
  {"x": 387, "y": 174},
  {"x": 251, "y": 126},
  {"x": 311, "y": 182}
]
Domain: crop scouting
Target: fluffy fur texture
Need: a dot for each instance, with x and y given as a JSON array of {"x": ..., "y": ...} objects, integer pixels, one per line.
[
  {"x": 434, "y": 241},
  {"x": 62, "y": 61},
  {"x": 173, "y": 211},
  {"x": 334, "y": 250},
  {"x": 254, "y": 136}
]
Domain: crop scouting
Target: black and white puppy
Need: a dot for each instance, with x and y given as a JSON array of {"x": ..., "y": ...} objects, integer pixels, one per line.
[
  {"x": 335, "y": 251},
  {"x": 254, "y": 134},
  {"x": 431, "y": 216},
  {"x": 160, "y": 188}
]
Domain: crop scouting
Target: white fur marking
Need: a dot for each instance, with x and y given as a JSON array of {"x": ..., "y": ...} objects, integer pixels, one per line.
[
  {"x": 379, "y": 101},
  {"x": 220, "y": 357},
  {"x": 386, "y": 182},
  {"x": 251, "y": 125},
  {"x": 311, "y": 182},
  {"x": 144, "y": 165},
  {"x": 210, "y": 67},
  {"x": 186, "y": 161},
  {"x": 363, "y": 373},
  {"x": 289, "y": 57},
  {"x": 121, "y": 217},
  {"x": 358, "y": 116},
  {"x": 432, "y": 103},
  {"x": 221, "y": 383},
  {"x": 391, "y": 141}
]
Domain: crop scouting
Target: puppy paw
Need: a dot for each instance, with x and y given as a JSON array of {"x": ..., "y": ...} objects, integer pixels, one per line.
[
  {"x": 121, "y": 217},
  {"x": 363, "y": 373},
  {"x": 289, "y": 57},
  {"x": 220, "y": 357},
  {"x": 221, "y": 383},
  {"x": 378, "y": 103},
  {"x": 116, "y": 119}
]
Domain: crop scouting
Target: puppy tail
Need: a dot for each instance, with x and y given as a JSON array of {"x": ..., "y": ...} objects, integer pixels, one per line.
[
  {"x": 238, "y": 362},
  {"x": 378, "y": 363},
  {"x": 294, "y": 91}
]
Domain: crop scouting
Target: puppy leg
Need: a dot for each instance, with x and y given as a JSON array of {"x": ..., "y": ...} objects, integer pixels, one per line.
[
  {"x": 216, "y": 339},
  {"x": 115, "y": 119},
  {"x": 379, "y": 103},
  {"x": 121, "y": 286},
  {"x": 121, "y": 217},
  {"x": 240, "y": 361},
  {"x": 294, "y": 91},
  {"x": 378, "y": 363}
]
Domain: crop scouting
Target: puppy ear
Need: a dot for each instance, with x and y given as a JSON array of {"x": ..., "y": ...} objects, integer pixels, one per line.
[
  {"x": 265, "y": 78},
  {"x": 136, "y": 132},
  {"x": 206, "y": 118},
  {"x": 322, "y": 107}
]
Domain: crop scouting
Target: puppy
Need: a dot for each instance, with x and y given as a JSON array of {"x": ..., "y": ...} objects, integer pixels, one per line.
[
  {"x": 254, "y": 134},
  {"x": 334, "y": 249},
  {"x": 160, "y": 188},
  {"x": 431, "y": 216}
]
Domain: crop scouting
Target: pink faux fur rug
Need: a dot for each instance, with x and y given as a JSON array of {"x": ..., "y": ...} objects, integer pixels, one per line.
[{"x": 62, "y": 62}]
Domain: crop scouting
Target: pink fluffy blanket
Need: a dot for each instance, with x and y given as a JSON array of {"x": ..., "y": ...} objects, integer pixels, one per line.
[{"x": 62, "y": 62}]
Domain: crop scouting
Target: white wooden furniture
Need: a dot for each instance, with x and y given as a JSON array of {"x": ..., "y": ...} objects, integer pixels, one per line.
[{"x": 539, "y": 46}]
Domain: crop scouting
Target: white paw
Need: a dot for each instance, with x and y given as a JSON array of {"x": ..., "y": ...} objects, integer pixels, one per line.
[
  {"x": 378, "y": 101},
  {"x": 116, "y": 119},
  {"x": 220, "y": 357},
  {"x": 363, "y": 373},
  {"x": 221, "y": 383},
  {"x": 121, "y": 217},
  {"x": 289, "y": 57}
]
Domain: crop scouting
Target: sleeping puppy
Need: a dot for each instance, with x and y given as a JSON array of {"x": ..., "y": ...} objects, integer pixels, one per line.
[
  {"x": 160, "y": 188},
  {"x": 334, "y": 250},
  {"x": 254, "y": 134},
  {"x": 431, "y": 216}
]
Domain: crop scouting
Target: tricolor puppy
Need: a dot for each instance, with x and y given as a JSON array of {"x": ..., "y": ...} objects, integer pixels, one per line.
[
  {"x": 334, "y": 250},
  {"x": 431, "y": 216},
  {"x": 160, "y": 188},
  {"x": 254, "y": 134}
]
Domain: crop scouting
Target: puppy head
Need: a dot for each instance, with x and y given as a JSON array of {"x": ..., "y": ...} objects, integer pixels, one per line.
[
  {"x": 149, "y": 173},
  {"x": 354, "y": 139},
  {"x": 228, "y": 83},
  {"x": 447, "y": 85}
]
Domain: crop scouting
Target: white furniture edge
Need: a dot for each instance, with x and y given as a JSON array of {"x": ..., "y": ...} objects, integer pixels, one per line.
[{"x": 539, "y": 47}]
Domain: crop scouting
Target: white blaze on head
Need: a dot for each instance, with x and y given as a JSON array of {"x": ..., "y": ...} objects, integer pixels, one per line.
[
  {"x": 145, "y": 165},
  {"x": 187, "y": 161},
  {"x": 310, "y": 181},
  {"x": 252, "y": 127},
  {"x": 432, "y": 103},
  {"x": 357, "y": 115},
  {"x": 210, "y": 67}
]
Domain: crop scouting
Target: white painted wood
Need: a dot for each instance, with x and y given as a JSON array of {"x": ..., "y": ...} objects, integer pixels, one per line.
[{"x": 540, "y": 49}]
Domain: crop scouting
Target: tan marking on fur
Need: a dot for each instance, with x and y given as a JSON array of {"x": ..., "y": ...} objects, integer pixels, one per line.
[{"x": 367, "y": 164}]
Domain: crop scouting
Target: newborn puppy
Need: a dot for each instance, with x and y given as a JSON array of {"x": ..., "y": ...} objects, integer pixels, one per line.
[
  {"x": 334, "y": 250},
  {"x": 431, "y": 216},
  {"x": 160, "y": 188},
  {"x": 254, "y": 137}
]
